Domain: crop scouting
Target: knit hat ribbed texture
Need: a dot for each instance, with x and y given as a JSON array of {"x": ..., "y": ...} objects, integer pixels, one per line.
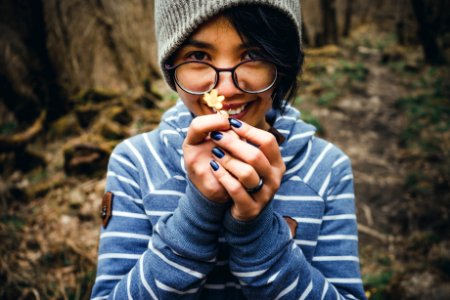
[{"x": 175, "y": 20}]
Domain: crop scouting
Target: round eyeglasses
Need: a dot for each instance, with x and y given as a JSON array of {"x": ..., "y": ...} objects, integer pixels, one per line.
[{"x": 251, "y": 76}]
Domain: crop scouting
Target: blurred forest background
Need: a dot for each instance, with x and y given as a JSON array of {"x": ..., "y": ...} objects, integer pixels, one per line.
[{"x": 78, "y": 76}]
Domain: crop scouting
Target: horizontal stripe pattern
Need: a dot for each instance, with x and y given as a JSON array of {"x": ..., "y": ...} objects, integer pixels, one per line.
[
  {"x": 338, "y": 237},
  {"x": 341, "y": 197},
  {"x": 249, "y": 274},
  {"x": 123, "y": 179},
  {"x": 345, "y": 280},
  {"x": 336, "y": 258},
  {"x": 108, "y": 277},
  {"x": 118, "y": 255},
  {"x": 127, "y": 235},
  {"x": 297, "y": 198},
  {"x": 129, "y": 215},
  {"x": 176, "y": 265},
  {"x": 288, "y": 289},
  {"x": 141, "y": 256},
  {"x": 167, "y": 288}
]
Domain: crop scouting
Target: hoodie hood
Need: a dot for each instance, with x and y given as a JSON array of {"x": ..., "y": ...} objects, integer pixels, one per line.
[{"x": 294, "y": 150}]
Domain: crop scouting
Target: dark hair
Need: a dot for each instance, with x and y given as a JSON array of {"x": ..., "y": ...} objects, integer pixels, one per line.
[{"x": 272, "y": 31}]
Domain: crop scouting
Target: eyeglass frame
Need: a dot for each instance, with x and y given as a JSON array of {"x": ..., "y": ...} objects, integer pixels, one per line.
[{"x": 217, "y": 77}]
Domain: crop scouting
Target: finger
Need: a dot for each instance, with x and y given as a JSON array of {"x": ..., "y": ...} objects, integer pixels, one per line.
[
  {"x": 264, "y": 140},
  {"x": 197, "y": 154},
  {"x": 244, "y": 206},
  {"x": 201, "y": 126},
  {"x": 234, "y": 134},
  {"x": 243, "y": 151},
  {"x": 244, "y": 172},
  {"x": 234, "y": 188}
]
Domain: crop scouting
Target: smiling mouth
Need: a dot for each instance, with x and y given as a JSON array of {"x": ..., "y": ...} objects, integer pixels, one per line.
[{"x": 233, "y": 111}]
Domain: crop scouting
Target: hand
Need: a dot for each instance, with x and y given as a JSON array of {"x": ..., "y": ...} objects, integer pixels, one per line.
[
  {"x": 239, "y": 164},
  {"x": 197, "y": 154}
]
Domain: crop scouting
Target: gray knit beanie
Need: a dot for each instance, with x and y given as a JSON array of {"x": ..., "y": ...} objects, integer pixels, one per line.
[{"x": 177, "y": 19}]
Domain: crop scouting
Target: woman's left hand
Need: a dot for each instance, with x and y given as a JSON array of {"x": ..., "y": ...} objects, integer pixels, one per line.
[{"x": 242, "y": 161}]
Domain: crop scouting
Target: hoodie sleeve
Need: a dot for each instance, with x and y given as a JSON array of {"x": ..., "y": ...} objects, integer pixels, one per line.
[
  {"x": 139, "y": 261},
  {"x": 269, "y": 265}
]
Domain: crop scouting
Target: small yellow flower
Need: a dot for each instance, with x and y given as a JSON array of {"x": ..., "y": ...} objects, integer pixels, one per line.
[{"x": 213, "y": 99}]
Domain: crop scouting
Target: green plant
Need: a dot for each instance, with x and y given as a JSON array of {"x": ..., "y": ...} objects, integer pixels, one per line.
[
  {"x": 13, "y": 223},
  {"x": 376, "y": 284},
  {"x": 327, "y": 98},
  {"x": 425, "y": 113},
  {"x": 355, "y": 71},
  {"x": 309, "y": 118},
  {"x": 8, "y": 128}
]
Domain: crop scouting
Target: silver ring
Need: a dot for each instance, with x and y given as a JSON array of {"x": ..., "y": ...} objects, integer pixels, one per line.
[{"x": 256, "y": 188}]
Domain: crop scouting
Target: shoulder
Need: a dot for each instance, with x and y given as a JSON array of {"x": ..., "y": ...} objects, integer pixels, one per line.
[
  {"x": 334, "y": 158},
  {"x": 132, "y": 144},
  {"x": 166, "y": 130},
  {"x": 135, "y": 149},
  {"x": 325, "y": 165},
  {"x": 331, "y": 155}
]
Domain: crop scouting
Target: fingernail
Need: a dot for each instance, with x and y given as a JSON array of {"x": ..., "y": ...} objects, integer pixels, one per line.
[
  {"x": 215, "y": 135},
  {"x": 214, "y": 165},
  {"x": 235, "y": 123},
  {"x": 218, "y": 152}
]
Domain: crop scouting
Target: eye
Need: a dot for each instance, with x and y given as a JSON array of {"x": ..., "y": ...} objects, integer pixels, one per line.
[
  {"x": 252, "y": 54},
  {"x": 197, "y": 55}
]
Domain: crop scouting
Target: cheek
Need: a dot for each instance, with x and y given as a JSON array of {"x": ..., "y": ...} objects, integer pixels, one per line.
[
  {"x": 188, "y": 99},
  {"x": 266, "y": 98}
]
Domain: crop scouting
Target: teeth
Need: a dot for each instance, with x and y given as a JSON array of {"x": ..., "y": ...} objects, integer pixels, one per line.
[
  {"x": 236, "y": 111},
  {"x": 232, "y": 111}
]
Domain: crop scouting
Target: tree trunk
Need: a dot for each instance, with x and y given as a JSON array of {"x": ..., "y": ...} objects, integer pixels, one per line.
[
  {"x": 400, "y": 22},
  {"x": 101, "y": 44},
  {"x": 312, "y": 20},
  {"x": 330, "y": 26},
  {"x": 27, "y": 79},
  {"x": 50, "y": 50},
  {"x": 427, "y": 36},
  {"x": 348, "y": 18}
]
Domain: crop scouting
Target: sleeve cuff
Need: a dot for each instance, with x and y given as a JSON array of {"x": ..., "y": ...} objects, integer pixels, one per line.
[
  {"x": 200, "y": 208},
  {"x": 258, "y": 241},
  {"x": 193, "y": 229},
  {"x": 250, "y": 229}
]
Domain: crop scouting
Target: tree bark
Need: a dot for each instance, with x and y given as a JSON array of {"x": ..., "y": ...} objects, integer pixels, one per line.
[
  {"x": 427, "y": 36},
  {"x": 330, "y": 26},
  {"x": 52, "y": 49},
  {"x": 101, "y": 44},
  {"x": 400, "y": 21},
  {"x": 312, "y": 19},
  {"x": 348, "y": 18},
  {"x": 27, "y": 79}
]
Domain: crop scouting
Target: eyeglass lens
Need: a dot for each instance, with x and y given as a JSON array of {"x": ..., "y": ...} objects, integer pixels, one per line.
[{"x": 252, "y": 76}]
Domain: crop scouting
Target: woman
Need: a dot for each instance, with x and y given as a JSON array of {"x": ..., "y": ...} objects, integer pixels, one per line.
[{"x": 253, "y": 206}]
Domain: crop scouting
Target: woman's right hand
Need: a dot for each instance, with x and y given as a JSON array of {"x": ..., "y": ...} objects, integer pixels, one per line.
[{"x": 197, "y": 155}]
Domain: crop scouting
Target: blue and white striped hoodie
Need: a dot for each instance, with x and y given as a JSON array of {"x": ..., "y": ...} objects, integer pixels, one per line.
[{"x": 165, "y": 240}]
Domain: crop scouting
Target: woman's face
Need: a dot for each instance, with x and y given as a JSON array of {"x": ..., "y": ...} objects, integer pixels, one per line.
[{"x": 217, "y": 42}]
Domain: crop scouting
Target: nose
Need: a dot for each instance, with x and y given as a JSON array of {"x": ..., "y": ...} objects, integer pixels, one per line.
[{"x": 226, "y": 86}]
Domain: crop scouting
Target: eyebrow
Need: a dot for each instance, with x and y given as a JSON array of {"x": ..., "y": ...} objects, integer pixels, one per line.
[
  {"x": 204, "y": 45},
  {"x": 198, "y": 44}
]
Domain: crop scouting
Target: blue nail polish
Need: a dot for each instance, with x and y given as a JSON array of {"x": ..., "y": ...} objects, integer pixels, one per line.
[
  {"x": 215, "y": 135},
  {"x": 235, "y": 123},
  {"x": 214, "y": 165},
  {"x": 218, "y": 152}
]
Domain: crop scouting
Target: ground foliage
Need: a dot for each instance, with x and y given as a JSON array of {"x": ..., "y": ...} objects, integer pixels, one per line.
[{"x": 375, "y": 99}]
